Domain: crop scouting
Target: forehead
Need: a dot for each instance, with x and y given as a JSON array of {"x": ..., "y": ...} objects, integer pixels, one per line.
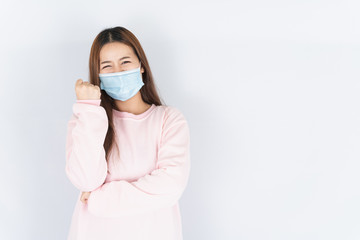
[{"x": 115, "y": 50}]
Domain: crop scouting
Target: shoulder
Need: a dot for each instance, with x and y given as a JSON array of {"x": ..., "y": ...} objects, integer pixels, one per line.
[
  {"x": 172, "y": 116},
  {"x": 172, "y": 112},
  {"x": 174, "y": 125}
]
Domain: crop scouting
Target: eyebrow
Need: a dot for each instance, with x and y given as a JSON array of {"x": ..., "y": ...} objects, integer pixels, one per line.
[{"x": 119, "y": 60}]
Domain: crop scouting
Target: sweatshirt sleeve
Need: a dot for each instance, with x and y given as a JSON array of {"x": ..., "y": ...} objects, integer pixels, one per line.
[
  {"x": 160, "y": 188},
  {"x": 86, "y": 166}
]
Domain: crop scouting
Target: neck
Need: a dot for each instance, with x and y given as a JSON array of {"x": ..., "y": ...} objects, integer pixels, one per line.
[{"x": 134, "y": 105}]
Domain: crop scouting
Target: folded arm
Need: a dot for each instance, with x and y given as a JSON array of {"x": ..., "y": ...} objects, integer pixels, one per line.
[{"x": 86, "y": 166}]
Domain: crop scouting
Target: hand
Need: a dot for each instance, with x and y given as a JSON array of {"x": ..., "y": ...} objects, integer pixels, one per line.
[
  {"x": 84, "y": 197},
  {"x": 86, "y": 90}
]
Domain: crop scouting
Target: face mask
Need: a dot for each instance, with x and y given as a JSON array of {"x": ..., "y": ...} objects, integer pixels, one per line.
[{"x": 121, "y": 85}]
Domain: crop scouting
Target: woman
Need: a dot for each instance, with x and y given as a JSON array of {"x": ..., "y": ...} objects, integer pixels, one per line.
[{"x": 127, "y": 153}]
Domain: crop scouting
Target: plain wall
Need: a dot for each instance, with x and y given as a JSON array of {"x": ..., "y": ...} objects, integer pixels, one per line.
[{"x": 270, "y": 90}]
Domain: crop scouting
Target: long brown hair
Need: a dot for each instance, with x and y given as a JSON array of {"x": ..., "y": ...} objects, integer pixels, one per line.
[{"x": 148, "y": 91}]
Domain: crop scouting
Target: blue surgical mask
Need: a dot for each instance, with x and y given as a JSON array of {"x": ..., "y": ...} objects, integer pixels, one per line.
[{"x": 122, "y": 85}]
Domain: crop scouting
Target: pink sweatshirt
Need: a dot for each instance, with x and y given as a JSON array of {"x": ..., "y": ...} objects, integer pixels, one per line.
[{"x": 137, "y": 196}]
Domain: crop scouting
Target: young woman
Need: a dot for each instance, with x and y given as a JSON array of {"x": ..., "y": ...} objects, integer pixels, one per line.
[{"x": 126, "y": 152}]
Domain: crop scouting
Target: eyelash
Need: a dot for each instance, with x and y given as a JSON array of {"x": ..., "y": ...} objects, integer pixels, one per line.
[{"x": 109, "y": 65}]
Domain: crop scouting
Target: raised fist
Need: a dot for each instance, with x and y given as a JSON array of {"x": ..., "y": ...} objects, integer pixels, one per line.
[{"x": 86, "y": 90}]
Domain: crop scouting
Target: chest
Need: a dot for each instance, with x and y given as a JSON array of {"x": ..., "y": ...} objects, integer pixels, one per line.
[{"x": 138, "y": 147}]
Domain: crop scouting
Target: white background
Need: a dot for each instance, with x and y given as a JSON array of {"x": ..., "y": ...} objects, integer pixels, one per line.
[{"x": 270, "y": 90}]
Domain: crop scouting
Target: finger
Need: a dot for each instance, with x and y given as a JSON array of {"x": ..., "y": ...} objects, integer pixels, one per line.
[
  {"x": 88, "y": 84},
  {"x": 78, "y": 82}
]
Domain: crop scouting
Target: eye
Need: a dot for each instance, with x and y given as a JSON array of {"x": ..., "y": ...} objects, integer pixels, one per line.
[
  {"x": 125, "y": 62},
  {"x": 106, "y": 66}
]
